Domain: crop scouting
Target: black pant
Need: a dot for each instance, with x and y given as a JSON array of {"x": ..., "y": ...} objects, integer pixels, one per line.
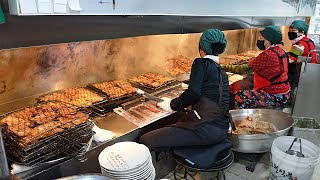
[
  {"x": 294, "y": 74},
  {"x": 169, "y": 137}
]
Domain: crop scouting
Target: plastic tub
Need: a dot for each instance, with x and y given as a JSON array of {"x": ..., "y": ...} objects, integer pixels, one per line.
[{"x": 285, "y": 166}]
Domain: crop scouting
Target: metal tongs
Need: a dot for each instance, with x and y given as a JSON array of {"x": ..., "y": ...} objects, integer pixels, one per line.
[
  {"x": 293, "y": 152},
  {"x": 229, "y": 116},
  {"x": 149, "y": 96}
]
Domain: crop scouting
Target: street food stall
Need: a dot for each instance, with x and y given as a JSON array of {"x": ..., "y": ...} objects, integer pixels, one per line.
[{"x": 107, "y": 72}]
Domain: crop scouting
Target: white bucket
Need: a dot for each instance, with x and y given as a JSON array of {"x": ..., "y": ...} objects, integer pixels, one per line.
[{"x": 285, "y": 166}]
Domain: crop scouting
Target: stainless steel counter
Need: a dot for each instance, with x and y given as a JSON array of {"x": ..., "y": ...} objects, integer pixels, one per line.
[
  {"x": 125, "y": 131},
  {"x": 115, "y": 123},
  {"x": 307, "y": 97},
  {"x": 17, "y": 104}
]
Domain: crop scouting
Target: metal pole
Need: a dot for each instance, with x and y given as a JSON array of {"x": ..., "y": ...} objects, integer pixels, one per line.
[{"x": 4, "y": 169}]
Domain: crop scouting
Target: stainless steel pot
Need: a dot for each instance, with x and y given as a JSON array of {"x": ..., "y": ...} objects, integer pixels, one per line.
[{"x": 259, "y": 143}]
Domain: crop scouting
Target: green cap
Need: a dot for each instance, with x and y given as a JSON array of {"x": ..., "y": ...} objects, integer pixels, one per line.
[
  {"x": 272, "y": 34},
  {"x": 2, "y": 19},
  {"x": 210, "y": 37},
  {"x": 300, "y": 26}
]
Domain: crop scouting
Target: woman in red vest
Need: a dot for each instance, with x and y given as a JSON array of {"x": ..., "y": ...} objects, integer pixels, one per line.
[
  {"x": 301, "y": 46},
  {"x": 270, "y": 80}
]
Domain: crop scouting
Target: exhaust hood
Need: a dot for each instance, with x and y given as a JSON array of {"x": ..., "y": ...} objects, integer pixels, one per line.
[
  {"x": 131, "y": 18},
  {"x": 278, "y": 8}
]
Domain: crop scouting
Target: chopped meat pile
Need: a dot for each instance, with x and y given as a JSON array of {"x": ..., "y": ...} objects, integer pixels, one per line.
[{"x": 253, "y": 126}]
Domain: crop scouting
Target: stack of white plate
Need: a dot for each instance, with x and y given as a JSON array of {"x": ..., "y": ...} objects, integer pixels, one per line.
[{"x": 127, "y": 160}]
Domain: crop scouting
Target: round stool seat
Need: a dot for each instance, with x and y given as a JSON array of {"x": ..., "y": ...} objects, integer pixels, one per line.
[{"x": 224, "y": 161}]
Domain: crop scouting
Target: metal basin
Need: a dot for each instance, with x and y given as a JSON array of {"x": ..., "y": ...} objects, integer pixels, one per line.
[{"x": 259, "y": 143}]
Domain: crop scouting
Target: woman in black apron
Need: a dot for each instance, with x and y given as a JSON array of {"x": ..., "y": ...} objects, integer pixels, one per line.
[{"x": 208, "y": 93}]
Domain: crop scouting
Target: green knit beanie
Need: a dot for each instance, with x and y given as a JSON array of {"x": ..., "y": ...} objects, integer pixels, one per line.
[
  {"x": 210, "y": 37},
  {"x": 300, "y": 26},
  {"x": 272, "y": 34}
]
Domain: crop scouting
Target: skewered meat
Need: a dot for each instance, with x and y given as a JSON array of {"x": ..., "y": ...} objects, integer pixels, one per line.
[
  {"x": 238, "y": 63},
  {"x": 142, "y": 80},
  {"x": 178, "y": 65},
  {"x": 111, "y": 91},
  {"x": 42, "y": 131},
  {"x": 56, "y": 96},
  {"x": 75, "y": 119},
  {"x": 18, "y": 126},
  {"x": 241, "y": 58},
  {"x": 142, "y": 110},
  {"x": 125, "y": 86},
  {"x": 30, "y": 139},
  {"x": 157, "y": 77},
  {"x": 45, "y": 130},
  {"x": 250, "y": 54},
  {"x": 151, "y": 80},
  {"x": 80, "y": 97},
  {"x": 152, "y": 108},
  {"x": 67, "y": 110},
  {"x": 44, "y": 117},
  {"x": 34, "y": 121},
  {"x": 116, "y": 89}
]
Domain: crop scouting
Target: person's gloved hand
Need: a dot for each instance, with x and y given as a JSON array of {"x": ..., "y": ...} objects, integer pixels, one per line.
[{"x": 165, "y": 104}]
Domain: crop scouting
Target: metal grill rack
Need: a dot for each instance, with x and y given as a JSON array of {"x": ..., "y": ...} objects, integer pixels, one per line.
[{"x": 63, "y": 131}]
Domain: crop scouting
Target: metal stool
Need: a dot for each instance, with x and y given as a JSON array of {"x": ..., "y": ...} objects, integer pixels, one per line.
[{"x": 225, "y": 160}]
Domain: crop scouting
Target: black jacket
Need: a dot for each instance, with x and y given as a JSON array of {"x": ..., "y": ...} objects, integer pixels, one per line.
[{"x": 205, "y": 81}]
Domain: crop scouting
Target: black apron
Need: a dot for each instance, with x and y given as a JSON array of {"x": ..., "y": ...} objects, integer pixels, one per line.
[{"x": 285, "y": 55}]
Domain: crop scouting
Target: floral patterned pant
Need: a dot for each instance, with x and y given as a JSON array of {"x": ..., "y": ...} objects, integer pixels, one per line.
[{"x": 245, "y": 99}]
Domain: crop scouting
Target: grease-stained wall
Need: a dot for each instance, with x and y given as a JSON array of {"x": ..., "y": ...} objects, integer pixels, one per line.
[{"x": 30, "y": 71}]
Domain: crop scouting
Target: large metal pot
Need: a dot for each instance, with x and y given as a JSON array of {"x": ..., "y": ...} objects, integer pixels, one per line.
[{"x": 259, "y": 143}]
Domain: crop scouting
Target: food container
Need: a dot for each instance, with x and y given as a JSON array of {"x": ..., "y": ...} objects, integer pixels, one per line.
[
  {"x": 259, "y": 143},
  {"x": 306, "y": 122},
  {"x": 307, "y": 128}
]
